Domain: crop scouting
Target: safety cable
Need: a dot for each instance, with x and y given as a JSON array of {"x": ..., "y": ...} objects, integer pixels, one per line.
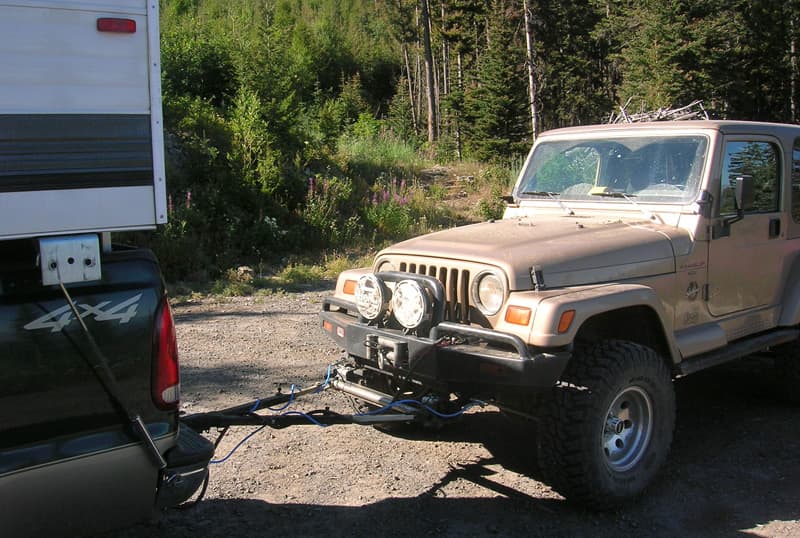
[
  {"x": 239, "y": 444},
  {"x": 293, "y": 391}
]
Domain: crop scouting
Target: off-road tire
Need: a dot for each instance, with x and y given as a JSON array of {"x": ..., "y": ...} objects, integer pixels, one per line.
[
  {"x": 787, "y": 372},
  {"x": 607, "y": 428}
]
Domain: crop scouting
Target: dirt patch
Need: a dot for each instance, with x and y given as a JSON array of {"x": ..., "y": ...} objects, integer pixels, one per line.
[{"x": 734, "y": 467}]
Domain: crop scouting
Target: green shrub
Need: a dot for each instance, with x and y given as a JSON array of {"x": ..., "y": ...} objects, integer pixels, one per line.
[{"x": 330, "y": 210}]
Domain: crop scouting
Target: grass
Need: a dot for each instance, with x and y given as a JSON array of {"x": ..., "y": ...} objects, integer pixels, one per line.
[{"x": 297, "y": 274}]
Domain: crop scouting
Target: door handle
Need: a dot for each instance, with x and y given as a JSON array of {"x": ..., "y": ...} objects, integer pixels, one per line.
[{"x": 774, "y": 228}]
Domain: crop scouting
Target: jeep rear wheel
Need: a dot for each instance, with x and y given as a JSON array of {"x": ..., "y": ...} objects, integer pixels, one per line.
[{"x": 608, "y": 427}]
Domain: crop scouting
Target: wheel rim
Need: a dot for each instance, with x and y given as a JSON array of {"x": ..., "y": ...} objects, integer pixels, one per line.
[{"x": 627, "y": 429}]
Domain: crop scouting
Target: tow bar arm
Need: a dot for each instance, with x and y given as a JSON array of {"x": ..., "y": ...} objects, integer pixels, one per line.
[
  {"x": 322, "y": 417},
  {"x": 246, "y": 414}
]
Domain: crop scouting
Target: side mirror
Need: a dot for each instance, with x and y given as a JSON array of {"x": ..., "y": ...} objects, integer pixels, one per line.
[
  {"x": 744, "y": 193},
  {"x": 507, "y": 199}
]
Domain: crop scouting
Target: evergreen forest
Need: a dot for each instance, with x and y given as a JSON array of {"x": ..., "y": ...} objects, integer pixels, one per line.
[{"x": 297, "y": 126}]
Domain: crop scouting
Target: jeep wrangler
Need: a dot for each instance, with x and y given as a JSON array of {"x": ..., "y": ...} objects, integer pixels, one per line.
[{"x": 628, "y": 255}]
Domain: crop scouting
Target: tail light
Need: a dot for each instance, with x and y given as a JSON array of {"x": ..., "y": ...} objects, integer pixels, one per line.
[{"x": 166, "y": 376}]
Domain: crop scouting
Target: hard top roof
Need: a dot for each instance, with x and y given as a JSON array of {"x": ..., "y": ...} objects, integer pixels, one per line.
[{"x": 723, "y": 126}]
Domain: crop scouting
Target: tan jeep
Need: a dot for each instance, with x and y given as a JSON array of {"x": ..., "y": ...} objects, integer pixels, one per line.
[{"x": 630, "y": 254}]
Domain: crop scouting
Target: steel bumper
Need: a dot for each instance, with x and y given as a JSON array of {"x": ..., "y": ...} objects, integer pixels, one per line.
[{"x": 481, "y": 357}]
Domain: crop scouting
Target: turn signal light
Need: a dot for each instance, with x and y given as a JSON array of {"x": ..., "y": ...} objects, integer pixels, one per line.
[
  {"x": 518, "y": 315},
  {"x": 350, "y": 287},
  {"x": 565, "y": 321}
]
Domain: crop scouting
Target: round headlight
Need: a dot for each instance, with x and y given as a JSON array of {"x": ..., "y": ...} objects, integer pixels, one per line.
[
  {"x": 488, "y": 293},
  {"x": 410, "y": 304},
  {"x": 386, "y": 266},
  {"x": 371, "y": 297}
]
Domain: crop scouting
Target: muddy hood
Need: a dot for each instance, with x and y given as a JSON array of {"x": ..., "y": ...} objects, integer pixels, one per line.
[{"x": 565, "y": 251}]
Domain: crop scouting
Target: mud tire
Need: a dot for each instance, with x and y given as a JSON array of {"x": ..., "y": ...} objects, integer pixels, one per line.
[{"x": 607, "y": 429}]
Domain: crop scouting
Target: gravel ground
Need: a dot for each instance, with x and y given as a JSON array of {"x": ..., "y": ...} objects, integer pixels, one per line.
[{"x": 734, "y": 468}]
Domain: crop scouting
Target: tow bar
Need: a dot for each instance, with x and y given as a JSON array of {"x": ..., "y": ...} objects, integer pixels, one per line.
[{"x": 388, "y": 410}]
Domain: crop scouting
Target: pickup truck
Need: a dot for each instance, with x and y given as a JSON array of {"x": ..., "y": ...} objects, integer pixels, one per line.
[
  {"x": 89, "y": 379},
  {"x": 629, "y": 254}
]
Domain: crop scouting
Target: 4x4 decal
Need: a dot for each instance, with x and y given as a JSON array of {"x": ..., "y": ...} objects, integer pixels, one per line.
[{"x": 104, "y": 311}]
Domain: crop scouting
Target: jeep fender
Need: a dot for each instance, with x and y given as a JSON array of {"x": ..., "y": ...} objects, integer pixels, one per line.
[{"x": 622, "y": 300}]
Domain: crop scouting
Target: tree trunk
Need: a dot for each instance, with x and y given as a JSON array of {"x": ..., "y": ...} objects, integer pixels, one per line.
[
  {"x": 410, "y": 91},
  {"x": 458, "y": 113},
  {"x": 793, "y": 56},
  {"x": 445, "y": 58},
  {"x": 431, "y": 90},
  {"x": 531, "y": 74}
]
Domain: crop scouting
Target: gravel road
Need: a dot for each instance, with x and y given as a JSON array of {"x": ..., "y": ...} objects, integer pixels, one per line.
[{"x": 734, "y": 468}]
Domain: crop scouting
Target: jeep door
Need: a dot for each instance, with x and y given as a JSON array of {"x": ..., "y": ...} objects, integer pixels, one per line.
[{"x": 745, "y": 258}]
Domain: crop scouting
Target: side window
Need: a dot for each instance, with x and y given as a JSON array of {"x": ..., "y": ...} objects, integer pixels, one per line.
[
  {"x": 759, "y": 160},
  {"x": 796, "y": 181}
]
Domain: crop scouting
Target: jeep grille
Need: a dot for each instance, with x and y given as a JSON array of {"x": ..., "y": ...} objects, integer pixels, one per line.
[{"x": 456, "y": 288}]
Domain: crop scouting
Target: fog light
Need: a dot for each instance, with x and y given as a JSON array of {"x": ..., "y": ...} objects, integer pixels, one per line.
[
  {"x": 372, "y": 297},
  {"x": 410, "y": 304}
]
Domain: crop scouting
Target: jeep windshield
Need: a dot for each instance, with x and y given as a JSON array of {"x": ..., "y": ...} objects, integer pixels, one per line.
[{"x": 653, "y": 169}]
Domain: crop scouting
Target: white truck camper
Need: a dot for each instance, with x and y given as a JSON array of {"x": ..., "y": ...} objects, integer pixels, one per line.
[{"x": 81, "y": 143}]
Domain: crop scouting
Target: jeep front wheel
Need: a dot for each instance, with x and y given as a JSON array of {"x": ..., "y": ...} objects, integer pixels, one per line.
[{"x": 608, "y": 427}]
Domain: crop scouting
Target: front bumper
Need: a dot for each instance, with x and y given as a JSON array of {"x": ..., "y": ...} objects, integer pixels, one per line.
[{"x": 453, "y": 355}]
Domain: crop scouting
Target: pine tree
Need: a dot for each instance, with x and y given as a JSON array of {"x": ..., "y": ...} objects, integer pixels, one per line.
[{"x": 497, "y": 107}]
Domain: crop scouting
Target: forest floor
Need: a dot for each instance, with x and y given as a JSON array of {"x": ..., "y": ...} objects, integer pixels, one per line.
[{"x": 734, "y": 468}]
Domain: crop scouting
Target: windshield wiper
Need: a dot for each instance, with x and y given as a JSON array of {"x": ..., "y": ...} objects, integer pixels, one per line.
[
  {"x": 553, "y": 196},
  {"x": 629, "y": 198}
]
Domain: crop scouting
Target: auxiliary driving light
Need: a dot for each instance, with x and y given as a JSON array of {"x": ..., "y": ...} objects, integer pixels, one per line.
[
  {"x": 410, "y": 304},
  {"x": 372, "y": 297}
]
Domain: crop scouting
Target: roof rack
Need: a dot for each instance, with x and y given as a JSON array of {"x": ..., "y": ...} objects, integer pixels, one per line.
[{"x": 692, "y": 111}]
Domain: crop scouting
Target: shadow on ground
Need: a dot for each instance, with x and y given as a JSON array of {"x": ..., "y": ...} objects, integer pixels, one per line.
[{"x": 735, "y": 465}]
